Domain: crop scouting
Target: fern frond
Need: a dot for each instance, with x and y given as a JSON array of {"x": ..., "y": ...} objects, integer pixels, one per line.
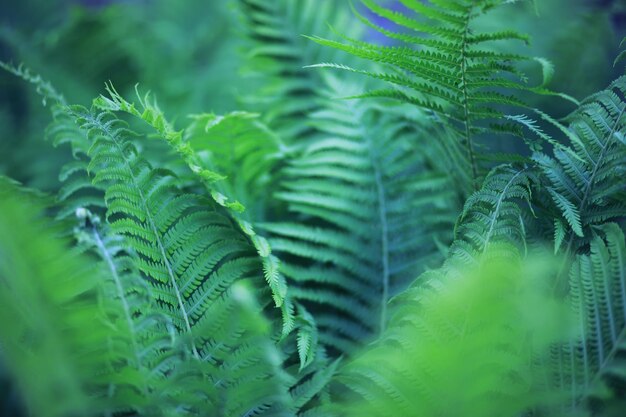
[
  {"x": 584, "y": 191},
  {"x": 191, "y": 252},
  {"x": 492, "y": 217},
  {"x": 444, "y": 65},
  {"x": 209, "y": 148},
  {"x": 592, "y": 368},
  {"x": 244, "y": 150},
  {"x": 362, "y": 227},
  {"x": 86, "y": 339},
  {"x": 584, "y": 178},
  {"x": 457, "y": 344}
]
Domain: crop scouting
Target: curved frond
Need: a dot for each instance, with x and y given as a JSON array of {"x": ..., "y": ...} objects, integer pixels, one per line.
[{"x": 442, "y": 63}]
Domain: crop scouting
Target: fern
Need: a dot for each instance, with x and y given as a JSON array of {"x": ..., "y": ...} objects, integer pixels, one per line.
[
  {"x": 324, "y": 256},
  {"x": 598, "y": 295},
  {"x": 226, "y": 143},
  {"x": 190, "y": 277},
  {"x": 444, "y": 65},
  {"x": 276, "y": 53},
  {"x": 89, "y": 332},
  {"x": 493, "y": 217},
  {"x": 200, "y": 151},
  {"x": 455, "y": 325},
  {"x": 585, "y": 187},
  {"x": 587, "y": 195},
  {"x": 244, "y": 150},
  {"x": 357, "y": 236},
  {"x": 581, "y": 193}
]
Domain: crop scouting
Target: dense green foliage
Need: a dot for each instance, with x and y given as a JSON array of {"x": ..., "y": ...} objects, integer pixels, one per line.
[{"x": 391, "y": 217}]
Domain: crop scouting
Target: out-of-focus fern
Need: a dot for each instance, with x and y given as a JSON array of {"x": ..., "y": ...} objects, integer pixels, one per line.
[
  {"x": 622, "y": 56},
  {"x": 459, "y": 344},
  {"x": 85, "y": 338},
  {"x": 444, "y": 65},
  {"x": 277, "y": 53}
]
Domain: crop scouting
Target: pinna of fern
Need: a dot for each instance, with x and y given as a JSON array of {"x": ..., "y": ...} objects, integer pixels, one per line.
[{"x": 442, "y": 63}]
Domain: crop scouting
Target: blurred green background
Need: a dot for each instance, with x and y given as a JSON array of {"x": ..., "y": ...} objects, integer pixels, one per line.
[{"x": 191, "y": 54}]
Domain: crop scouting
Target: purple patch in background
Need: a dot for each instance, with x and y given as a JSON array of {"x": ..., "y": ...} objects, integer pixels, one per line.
[
  {"x": 96, "y": 3},
  {"x": 377, "y": 37}
]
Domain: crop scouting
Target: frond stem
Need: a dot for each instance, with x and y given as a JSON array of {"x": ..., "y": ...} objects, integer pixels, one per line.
[
  {"x": 108, "y": 258},
  {"x": 155, "y": 231},
  {"x": 384, "y": 232},
  {"x": 496, "y": 211},
  {"x": 466, "y": 116},
  {"x": 382, "y": 218}
]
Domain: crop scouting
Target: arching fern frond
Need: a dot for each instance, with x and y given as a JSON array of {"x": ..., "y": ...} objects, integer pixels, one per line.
[
  {"x": 208, "y": 147},
  {"x": 245, "y": 151},
  {"x": 584, "y": 191},
  {"x": 443, "y": 64},
  {"x": 584, "y": 180},
  {"x": 192, "y": 254}
]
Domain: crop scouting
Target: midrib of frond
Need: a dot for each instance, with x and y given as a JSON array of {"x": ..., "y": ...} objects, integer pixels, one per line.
[
  {"x": 382, "y": 218},
  {"x": 607, "y": 145},
  {"x": 621, "y": 337},
  {"x": 105, "y": 128},
  {"x": 608, "y": 142},
  {"x": 496, "y": 211},
  {"x": 609, "y": 357},
  {"x": 464, "y": 87},
  {"x": 108, "y": 258}
]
